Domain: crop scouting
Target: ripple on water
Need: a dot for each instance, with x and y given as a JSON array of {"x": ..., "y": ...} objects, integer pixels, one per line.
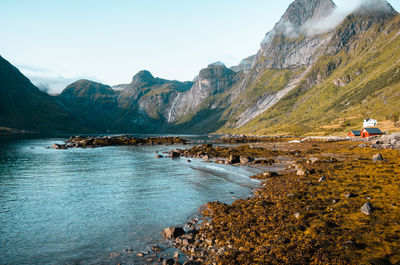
[{"x": 78, "y": 205}]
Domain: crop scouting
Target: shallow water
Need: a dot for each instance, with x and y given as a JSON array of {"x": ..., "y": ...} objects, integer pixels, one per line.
[{"x": 76, "y": 206}]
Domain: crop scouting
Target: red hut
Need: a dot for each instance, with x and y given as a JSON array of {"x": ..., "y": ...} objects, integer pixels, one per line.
[
  {"x": 354, "y": 133},
  {"x": 368, "y": 132}
]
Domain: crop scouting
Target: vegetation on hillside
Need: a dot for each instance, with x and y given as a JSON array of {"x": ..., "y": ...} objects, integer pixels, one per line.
[{"x": 362, "y": 80}]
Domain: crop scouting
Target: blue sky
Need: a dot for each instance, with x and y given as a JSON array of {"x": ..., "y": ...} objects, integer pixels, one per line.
[{"x": 109, "y": 41}]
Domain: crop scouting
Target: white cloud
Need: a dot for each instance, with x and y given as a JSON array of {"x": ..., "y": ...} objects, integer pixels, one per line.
[
  {"x": 325, "y": 24},
  {"x": 49, "y": 80}
]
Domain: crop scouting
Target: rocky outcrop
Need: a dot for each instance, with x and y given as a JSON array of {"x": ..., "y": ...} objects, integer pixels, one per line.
[
  {"x": 173, "y": 232},
  {"x": 117, "y": 140},
  {"x": 268, "y": 100},
  {"x": 289, "y": 45},
  {"x": 245, "y": 65},
  {"x": 215, "y": 79}
]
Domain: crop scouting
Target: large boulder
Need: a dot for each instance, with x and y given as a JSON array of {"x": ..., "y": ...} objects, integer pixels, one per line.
[{"x": 173, "y": 232}]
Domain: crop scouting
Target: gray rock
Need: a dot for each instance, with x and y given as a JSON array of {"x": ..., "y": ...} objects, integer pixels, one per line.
[
  {"x": 185, "y": 242},
  {"x": 377, "y": 158},
  {"x": 156, "y": 249},
  {"x": 174, "y": 154},
  {"x": 350, "y": 195},
  {"x": 322, "y": 179},
  {"x": 297, "y": 215},
  {"x": 244, "y": 160},
  {"x": 301, "y": 172},
  {"x": 233, "y": 159},
  {"x": 366, "y": 208},
  {"x": 173, "y": 232}
]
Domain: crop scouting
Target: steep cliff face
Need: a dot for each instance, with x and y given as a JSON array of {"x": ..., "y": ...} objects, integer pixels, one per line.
[
  {"x": 289, "y": 44},
  {"x": 358, "y": 77},
  {"x": 215, "y": 79},
  {"x": 284, "y": 58},
  {"x": 24, "y": 106},
  {"x": 151, "y": 96}
]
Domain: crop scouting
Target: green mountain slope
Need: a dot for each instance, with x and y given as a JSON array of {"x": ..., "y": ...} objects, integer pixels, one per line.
[
  {"x": 360, "y": 80},
  {"x": 23, "y": 106}
]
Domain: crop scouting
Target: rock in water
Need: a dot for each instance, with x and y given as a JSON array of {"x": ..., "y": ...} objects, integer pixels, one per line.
[
  {"x": 174, "y": 154},
  {"x": 377, "y": 158},
  {"x": 246, "y": 160},
  {"x": 366, "y": 209},
  {"x": 168, "y": 262},
  {"x": 234, "y": 159},
  {"x": 173, "y": 232}
]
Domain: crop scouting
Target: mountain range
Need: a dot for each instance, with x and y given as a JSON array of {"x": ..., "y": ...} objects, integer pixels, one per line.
[{"x": 307, "y": 78}]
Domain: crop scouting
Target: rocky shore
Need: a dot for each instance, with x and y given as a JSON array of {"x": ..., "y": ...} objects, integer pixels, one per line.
[
  {"x": 102, "y": 141},
  {"x": 334, "y": 203},
  {"x": 239, "y": 155},
  {"x": 391, "y": 141}
]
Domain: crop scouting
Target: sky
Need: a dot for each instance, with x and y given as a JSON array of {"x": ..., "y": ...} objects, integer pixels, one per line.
[{"x": 56, "y": 42}]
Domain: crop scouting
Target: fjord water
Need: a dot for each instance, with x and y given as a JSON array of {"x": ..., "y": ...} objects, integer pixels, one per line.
[{"x": 76, "y": 206}]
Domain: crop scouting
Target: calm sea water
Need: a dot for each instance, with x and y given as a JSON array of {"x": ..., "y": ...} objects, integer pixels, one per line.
[{"x": 76, "y": 206}]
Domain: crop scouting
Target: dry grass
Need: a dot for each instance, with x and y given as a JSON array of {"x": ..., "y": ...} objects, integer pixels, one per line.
[{"x": 330, "y": 229}]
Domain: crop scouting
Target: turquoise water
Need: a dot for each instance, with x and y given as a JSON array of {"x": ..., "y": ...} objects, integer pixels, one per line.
[{"x": 76, "y": 206}]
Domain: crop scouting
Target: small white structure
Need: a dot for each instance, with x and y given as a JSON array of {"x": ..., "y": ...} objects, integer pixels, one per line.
[{"x": 368, "y": 123}]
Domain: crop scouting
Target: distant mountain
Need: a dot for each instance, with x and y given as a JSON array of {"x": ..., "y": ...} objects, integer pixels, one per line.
[
  {"x": 95, "y": 104},
  {"x": 24, "y": 106},
  {"x": 141, "y": 106},
  {"x": 305, "y": 79}
]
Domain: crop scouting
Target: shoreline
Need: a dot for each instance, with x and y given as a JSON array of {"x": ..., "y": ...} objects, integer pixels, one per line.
[
  {"x": 316, "y": 166},
  {"x": 316, "y": 205}
]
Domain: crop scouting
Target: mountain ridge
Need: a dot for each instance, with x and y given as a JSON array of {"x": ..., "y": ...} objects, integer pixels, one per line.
[{"x": 264, "y": 93}]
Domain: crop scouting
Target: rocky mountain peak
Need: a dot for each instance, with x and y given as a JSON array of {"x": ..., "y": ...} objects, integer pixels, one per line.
[
  {"x": 298, "y": 14},
  {"x": 375, "y": 7},
  {"x": 300, "y": 11},
  {"x": 218, "y": 63},
  {"x": 143, "y": 78},
  {"x": 245, "y": 64},
  {"x": 291, "y": 43},
  {"x": 215, "y": 71}
]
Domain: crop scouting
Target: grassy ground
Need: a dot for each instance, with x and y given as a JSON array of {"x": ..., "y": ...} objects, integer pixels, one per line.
[{"x": 299, "y": 220}]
